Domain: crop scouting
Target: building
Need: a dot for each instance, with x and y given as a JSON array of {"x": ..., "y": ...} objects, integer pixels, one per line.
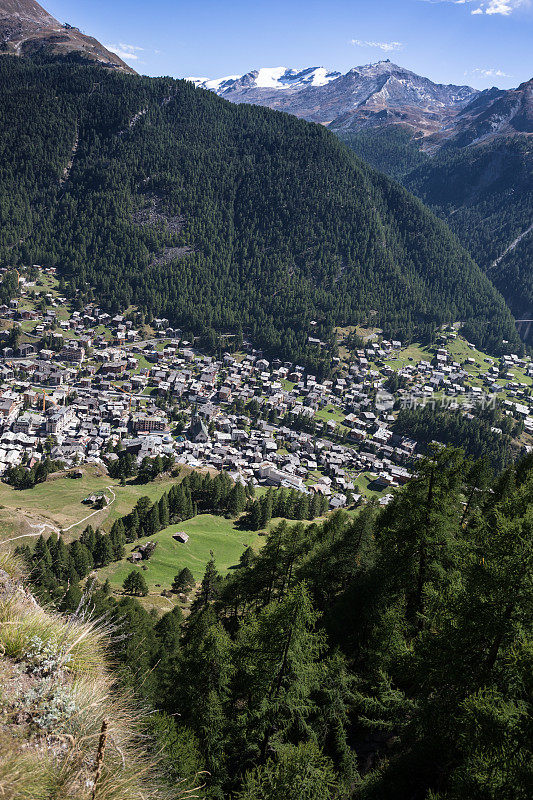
[
  {"x": 59, "y": 419},
  {"x": 144, "y": 423},
  {"x": 73, "y": 354},
  {"x": 197, "y": 432}
]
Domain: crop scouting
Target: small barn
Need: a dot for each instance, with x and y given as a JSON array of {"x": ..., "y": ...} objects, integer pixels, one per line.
[
  {"x": 181, "y": 536},
  {"x": 142, "y": 552}
]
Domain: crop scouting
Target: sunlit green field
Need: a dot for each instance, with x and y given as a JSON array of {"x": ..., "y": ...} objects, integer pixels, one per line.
[
  {"x": 207, "y": 533},
  {"x": 58, "y": 502}
]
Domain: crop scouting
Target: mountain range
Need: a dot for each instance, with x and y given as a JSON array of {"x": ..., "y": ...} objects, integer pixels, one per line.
[
  {"x": 366, "y": 96},
  {"x": 234, "y": 217},
  {"x": 152, "y": 193}
]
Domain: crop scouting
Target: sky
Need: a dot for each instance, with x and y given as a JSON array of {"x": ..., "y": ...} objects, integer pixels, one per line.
[{"x": 481, "y": 43}]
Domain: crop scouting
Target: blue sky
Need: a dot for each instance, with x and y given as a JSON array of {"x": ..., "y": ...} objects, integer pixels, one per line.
[{"x": 479, "y": 42}]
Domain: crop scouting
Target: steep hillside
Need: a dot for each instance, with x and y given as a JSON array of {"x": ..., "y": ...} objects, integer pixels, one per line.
[
  {"x": 65, "y": 730},
  {"x": 27, "y": 29},
  {"x": 478, "y": 175},
  {"x": 152, "y": 192},
  {"x": 465, "y": 153}
]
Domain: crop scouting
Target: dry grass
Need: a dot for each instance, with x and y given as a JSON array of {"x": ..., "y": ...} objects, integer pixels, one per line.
[
  {"x": 57, "y": 694},
  {"x": 79, "y": 646}
]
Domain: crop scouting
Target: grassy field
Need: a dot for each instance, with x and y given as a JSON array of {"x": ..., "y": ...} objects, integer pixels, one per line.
[
  {"x": 58, "y": 502},
  {"x": 330, "y": 413},
  {"x": 207, "y": 532},
  {"x": 364, "y": 485},
  {"x": 412, "y": 354}
]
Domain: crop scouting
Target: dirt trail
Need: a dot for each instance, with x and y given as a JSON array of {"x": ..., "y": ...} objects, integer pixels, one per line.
[{"x": 41, "y": 526}]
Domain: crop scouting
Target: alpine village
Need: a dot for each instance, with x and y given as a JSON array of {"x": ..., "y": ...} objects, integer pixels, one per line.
[{"x": 266, "y": 428}]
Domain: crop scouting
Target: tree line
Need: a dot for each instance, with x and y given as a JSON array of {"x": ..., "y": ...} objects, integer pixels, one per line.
[{"x": 379, "y": 656}]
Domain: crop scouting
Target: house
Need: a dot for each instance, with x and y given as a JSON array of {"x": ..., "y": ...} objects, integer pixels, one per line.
[
  {"x": 142, "y": 552},
  {"x": 72, "y": 354},
  {"x": 59, "y": 419},
  {"x": 181, "y": 536}
]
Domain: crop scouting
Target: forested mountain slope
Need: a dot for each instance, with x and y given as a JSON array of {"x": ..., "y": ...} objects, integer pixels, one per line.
[
  {"x": 151, "y": 192},
  {"x": 478, "y": 176}
]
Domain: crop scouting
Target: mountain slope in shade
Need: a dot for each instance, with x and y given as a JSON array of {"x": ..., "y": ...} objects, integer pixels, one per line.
[
  {"x": 493, "y": 113},
  {"x": 370, "y": 95},
  {"x": 26, "y": 29},
  {"x": 476, "y": 173}
]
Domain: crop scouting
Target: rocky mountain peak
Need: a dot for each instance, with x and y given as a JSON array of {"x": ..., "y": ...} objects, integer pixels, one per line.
[
  {"x": 26, "y": 28},
  {"x": 361, "y": 97}
]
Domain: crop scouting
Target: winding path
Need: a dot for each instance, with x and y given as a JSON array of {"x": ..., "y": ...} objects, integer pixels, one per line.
[{"x": 43, "y": 525}]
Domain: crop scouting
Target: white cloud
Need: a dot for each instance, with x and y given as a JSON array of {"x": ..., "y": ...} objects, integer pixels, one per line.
[
  {"x": 491, "y": 7},
  {"x": 126, "y": 51},
  {"x": 387, "y": 47},
  {"x": 502, "y": 7},
  {"x": 454, "y": 2},
  {"x": 491, "y": 73}
]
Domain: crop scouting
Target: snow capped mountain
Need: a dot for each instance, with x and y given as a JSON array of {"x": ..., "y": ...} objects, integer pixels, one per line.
[
  {"x": 269, "y": 78},
  {"x": 366, "y": 96}
]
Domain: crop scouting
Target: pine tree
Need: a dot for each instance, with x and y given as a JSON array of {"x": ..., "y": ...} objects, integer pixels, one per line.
[
  {"x": 132, "y": 526},
  {"x": 163, "y": 511},
  {"x": 302, "y": 507},
  {"x": 283, "y": 640},
  {"x": 88, "y": 538},
  {"x": 168, "y": 631},
  {"x": 209, "y": 588},
  {"x": 117, "y": 536},
  {"x": 316, "y": 506},
  {"x": 266, "y": 503},
  {"x": 183, "y": 581},
  {"x": 247, "y": 558},
  {"x": 71, "y": 599},
  {"x": 418, "y": 530},
  {"x": 151, "y": 523},
  {"x": 201, "y": 678},
  {"x": 82, "y": 558},
  {"x": 103, "y": 550},
  {"x": 41, "y": 553},
  {"x": 301, "y": 772},
  {"x": 135, "y": 584}
]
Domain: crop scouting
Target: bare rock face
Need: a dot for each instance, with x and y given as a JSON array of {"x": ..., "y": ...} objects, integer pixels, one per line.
[
  {"x": 492, "y": 114},
  {"x": 27, "y": 29},
  {"x": 377, "y": 95}
]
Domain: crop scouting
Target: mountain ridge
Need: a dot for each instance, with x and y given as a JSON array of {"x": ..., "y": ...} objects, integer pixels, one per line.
[
  {"x": 358, "y": 98},
  {"x": 282, "y": 225},
  {"x": 27, "y": 29}
]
